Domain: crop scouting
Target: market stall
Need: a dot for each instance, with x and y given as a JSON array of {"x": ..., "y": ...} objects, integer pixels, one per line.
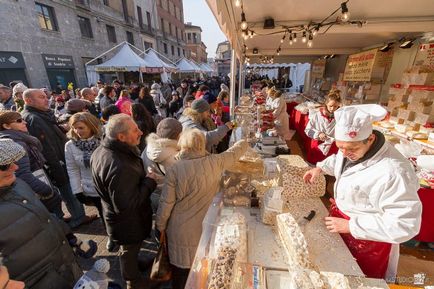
[
  {"x": 157, "y": 65},
  {"x": 125, "y": 60}
]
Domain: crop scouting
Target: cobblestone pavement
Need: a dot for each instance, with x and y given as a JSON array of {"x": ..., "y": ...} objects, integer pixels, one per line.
[{"x": 96, "y": 232}]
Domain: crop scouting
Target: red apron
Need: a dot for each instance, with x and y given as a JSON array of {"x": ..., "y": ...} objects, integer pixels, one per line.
[{"x": 372, "y": 256}]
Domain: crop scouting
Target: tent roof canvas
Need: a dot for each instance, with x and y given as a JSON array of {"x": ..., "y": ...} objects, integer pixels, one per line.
[
  {"x": 125, "y": 60},
  {"x": 154, "y": 60},
  {"x": 185, "y": 66}
]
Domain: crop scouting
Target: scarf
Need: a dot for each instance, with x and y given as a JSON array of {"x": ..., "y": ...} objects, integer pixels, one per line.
[{"x": 87, "y": 146}]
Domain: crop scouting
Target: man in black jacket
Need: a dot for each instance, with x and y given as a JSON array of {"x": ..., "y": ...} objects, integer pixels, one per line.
[
  {"x": 42, "y": 124},
  {"x": 121, "y": 181}
]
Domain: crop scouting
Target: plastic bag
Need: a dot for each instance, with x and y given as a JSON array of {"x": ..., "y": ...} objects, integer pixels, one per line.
[{"x": 409, "y": 148}]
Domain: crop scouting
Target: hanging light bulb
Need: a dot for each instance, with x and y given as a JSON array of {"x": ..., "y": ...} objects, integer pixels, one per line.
[
  {"x": 237, "y": 3},
  {"x": 295, "y": 37},
  {"x": 310, "y": 42},
  {"x": 252, "y": 33},
  {"x": 345, "y": 13},
  {"x": 243, "y": 21},
  {"x": 315, "y": 31},
  {"x": 283, "y": 38},
  {"x": 290, "y": 39},
  {"x": 304, "y": 39}
]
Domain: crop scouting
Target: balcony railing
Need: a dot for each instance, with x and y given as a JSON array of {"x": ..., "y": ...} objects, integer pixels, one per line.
[{"x": 84, "y": 3}]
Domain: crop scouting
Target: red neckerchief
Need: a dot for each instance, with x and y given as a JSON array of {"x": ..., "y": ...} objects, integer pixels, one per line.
[{"x": 329, "y": 117}]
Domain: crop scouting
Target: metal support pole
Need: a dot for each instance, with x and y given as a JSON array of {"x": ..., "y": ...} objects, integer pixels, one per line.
[
  {"x": 241, "y": 78},
  {"x": 232, "y": 80}
]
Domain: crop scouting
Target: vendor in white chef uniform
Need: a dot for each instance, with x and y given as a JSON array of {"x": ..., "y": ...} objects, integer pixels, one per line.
[{"x": 376, "y": 205}]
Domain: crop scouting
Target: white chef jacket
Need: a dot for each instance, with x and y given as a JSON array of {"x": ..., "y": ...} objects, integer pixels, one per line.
[
  {"x": 278, "y": 105},
  {"x": 380, "y": 197},
  {"x": 317, "y": 124}
]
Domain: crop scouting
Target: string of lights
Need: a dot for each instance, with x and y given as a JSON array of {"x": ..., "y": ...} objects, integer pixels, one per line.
[{"x": 306, "y": 32}]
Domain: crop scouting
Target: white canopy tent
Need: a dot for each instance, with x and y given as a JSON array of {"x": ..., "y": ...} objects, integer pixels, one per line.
[
  {"x": 124, "y": 60},
  {"x": 158, "y": 65},
  {"x": 185, "y": 66}
]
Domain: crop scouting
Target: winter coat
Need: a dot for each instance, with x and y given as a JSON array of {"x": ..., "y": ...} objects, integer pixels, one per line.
[
  {"x": 120, "y": 181},
  {"x": 158, "y": 156},
  {"x": 7, "y": 105},
  {"x": 104, "y": 102},
  {"x": 183, "y": 92},
  {"x": 43, "y": 126},
  {"x": 33, "y": 243},
  {"x": 189, "y": 189},
  {"x": 80, "y": 177},
  {"x": 159, "y": 101},
  {"x": 379, "y": 195},
  {"x": 32, "y": 161},
  {"x": 213, "y": 137},
  {"x": 148, "y": 102}
]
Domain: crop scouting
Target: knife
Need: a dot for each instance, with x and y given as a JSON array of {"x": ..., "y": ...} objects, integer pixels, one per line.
[{"x": 304, "y": 220}]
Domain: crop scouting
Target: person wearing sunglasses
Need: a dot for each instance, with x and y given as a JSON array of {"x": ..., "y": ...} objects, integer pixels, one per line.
[{"x": 13, "y": 127}]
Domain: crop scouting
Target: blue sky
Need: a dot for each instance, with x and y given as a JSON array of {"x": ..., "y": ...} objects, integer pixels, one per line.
[{"x": 198, "y": 13}]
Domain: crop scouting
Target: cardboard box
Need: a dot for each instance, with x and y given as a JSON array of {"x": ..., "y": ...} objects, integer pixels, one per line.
[
  {"x": 420, "y": 108},
  {"x": 406, "y": 114},
  {"x": 422, "y": 118}
]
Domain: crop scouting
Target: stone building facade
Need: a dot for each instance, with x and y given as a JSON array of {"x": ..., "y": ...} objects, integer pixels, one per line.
[
  {"x": 196, "y": 48},
  {"x": 171, "y": 37},
  {"x": 47, "y": 42}
]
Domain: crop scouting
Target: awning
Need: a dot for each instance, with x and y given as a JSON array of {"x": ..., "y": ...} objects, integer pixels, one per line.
[
  {"x": 156, "y": 64},
  {"x": 186, "y": 66},
  {"x": 125, "y": 60}
]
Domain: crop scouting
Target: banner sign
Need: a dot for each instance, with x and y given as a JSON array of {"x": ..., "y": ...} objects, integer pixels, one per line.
[
  {"x": 318, "y": 68},
  {"x": 58, "y": 61},
  {"x": 425, "y": 55},
  {"x": 359, "y": 66}
]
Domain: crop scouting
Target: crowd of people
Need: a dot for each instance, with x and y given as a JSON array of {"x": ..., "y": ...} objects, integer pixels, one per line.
[{"x": 128, "y": 151}]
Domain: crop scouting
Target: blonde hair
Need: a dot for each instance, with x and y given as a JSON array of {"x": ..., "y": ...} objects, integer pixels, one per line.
[
  {"x": 195, "y": 116},
  {"x": 124, "y": 93},
  {"x": 192, "y": 141},
  {"x": 334, "y": 94},
  {"x": 89, "y": 120}
]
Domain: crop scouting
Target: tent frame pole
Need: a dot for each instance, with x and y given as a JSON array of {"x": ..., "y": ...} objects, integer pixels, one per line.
[
  {"x": 232, "y": 82},
  {"x": 108, "y": 51}
]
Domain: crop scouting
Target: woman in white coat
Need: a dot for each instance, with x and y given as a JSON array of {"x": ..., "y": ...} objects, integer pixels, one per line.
[
  {"x": 190, "y": 186},
  {"x": 85, "y": 135},
  {"x": 159, "y": 154},
  {"x": 321, "y": 129},
  {"x": 281, "y": 117},
  {"x": 375, "y": 205},
  {"x": 159, "y": 100}
]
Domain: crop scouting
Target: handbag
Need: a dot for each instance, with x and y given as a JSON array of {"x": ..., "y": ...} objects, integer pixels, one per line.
[
  {"x": 43, "y": 177},
  {"x": 161, "y": 270}
]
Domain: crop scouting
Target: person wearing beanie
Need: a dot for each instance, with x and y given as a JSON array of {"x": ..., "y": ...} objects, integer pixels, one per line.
[
  {"x": 13, "y": 127},
  {"x": 72, "y": 107},
  {"x": 17, "y": 94},
  {"x": 197, "y": 116},
  {"x": 160, "y": 152},
  {"x": 376, "y": 205},
  {"x": 159, "y": 100},
  {"x": 175, "y": 104},
  {"x": 184, "y": 89},
  {"x": 33, "y": 241}
]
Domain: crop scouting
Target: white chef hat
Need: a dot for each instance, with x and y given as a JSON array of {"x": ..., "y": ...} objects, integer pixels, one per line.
[{"x": 354, "y": 122}]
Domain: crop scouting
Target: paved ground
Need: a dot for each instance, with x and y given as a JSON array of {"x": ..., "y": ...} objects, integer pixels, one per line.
[{"x": 95, "y": 231}]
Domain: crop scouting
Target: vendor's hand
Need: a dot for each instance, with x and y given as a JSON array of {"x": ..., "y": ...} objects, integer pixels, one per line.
[
  {"x": 230, "y": 125},
  {"x": 311, "y": 175},
  {"x": 322, "y": 136},
  {"x": 337, "y": 225}
]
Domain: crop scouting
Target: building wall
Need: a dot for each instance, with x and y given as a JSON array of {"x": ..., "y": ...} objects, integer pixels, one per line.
[
  {"x": 148, "y": 32},
  {"x": 171, "y": 12},
  {"x": 24, "y": 34},
  {"x": 196, "y": 48}
]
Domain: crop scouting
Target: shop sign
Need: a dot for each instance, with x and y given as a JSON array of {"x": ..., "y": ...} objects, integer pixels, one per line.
[
  {"x": 11, "y": 60},
  {"x": 318, "y": 68},
  {"x": 57, "y": 61},
  {"x": 359, "y": 66},
  {"x": 111, "y": 69},
  {"x": 151, "y": 69},
  {"x": 425, "y": 55},
  {"x": 382, "y": 65}
]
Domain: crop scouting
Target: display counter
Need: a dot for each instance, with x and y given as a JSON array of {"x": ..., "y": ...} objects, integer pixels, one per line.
[{"x": 265, "y": 252}]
